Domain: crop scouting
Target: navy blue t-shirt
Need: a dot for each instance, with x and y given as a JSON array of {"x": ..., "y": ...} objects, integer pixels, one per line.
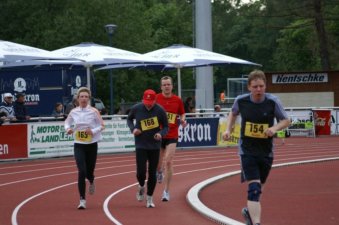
[{"x": 256, "y": 117}]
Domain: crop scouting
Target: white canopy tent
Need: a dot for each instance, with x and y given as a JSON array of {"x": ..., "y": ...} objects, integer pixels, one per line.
[
  {"x": 181, "y": 56},
  {"x": 91, "y": 54},
  {"x": 11, "y": 52}
]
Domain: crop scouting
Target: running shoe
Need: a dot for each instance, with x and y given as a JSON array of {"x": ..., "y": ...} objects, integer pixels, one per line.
[
  {"x": 91, "y": 189},
  {"x": 82, "y": 204},
  {"x": 160, "y": 177},
  {"x": 140, "y": 193},
  {"x": 165, "y": 196},
  {"x": 246, "y": 214},
  {"x": 149, "y": 202}
]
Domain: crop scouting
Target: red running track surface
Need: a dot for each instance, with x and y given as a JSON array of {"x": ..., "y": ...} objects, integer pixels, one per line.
[
  {"x": 294, "y": 195},
  {"x": 44, "y": 191}
]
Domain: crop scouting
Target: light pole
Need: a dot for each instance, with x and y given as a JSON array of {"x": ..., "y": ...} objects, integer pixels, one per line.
[{"x": 110, "y": 30}]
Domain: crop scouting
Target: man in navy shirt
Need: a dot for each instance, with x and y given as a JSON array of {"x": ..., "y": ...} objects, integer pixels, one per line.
[{"x": 258, "y": 111}]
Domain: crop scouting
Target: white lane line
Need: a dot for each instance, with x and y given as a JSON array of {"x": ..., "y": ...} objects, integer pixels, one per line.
[
  {"x": 104, "y": 168},
  {"x": 59, "y": 174},
  {"x": 18, "y": 207},
  {"x": 35, "y": 178},
  {"x": 115, "y": 193},
  {"x": 29, "y": 199},
  {"x": 36, "y": 170},
  {"x": 193, "y": 194},
  {"x": 31, "y": 163},
  {"x": 180, "y": 160},
  {"x": 59, "y": 167},
  {"x": 193, "y": 199},
  {"x": 108, "y": 199}
]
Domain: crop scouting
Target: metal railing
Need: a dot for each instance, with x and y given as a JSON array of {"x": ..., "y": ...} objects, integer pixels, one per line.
[{"x": 294, "y": 113}]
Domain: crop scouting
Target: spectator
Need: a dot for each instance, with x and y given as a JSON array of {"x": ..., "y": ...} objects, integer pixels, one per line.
[
  {"x": 104, "y": 111},
  {"x": 7, "y": 109},
  {"x": 58, "y": 110},
  {"x": 217, "y": 111},
  {"x": 2, "y": 117},
  {"x": 188, "y": 105},
  {"x": 74, "y": 103},
  {"x": 20, "y": 110},
  {"x": 118, "y": 111}
]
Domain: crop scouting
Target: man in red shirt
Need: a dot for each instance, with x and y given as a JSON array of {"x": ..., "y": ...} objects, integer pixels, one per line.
[{"x": 174, "y": 108}]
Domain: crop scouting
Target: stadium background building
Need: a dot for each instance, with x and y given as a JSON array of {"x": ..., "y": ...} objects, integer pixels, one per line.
[{"x": 305, "y": 89}]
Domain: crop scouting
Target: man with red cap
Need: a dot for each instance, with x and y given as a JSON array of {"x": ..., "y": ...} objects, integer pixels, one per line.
[{"x": 148, "y": 123}]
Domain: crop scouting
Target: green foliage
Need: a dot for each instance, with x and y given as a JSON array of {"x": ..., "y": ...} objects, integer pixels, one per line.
[
  {"x": 295, "y": 48},
  {"x": 280, "y": 35}
]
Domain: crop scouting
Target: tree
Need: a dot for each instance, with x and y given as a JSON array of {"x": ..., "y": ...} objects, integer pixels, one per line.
[
  {"x": 308, "y": 18},
  {"x": 295, "y": 51},
  {"x": 281, "y": 35}
]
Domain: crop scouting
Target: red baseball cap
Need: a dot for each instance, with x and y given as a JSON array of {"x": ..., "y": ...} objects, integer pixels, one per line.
[{"x": 149, "y": 97}]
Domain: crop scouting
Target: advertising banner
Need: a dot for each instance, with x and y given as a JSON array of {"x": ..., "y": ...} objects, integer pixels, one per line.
[
  {"x": 301, "y": 123},
  {"x": 13, "y": 141},
  {"x": 116, "y": 137},
  {"x": 299, "y": 78},
  {"x": 49, "y": 139},
  {"x": 199, "y": 132},
  {"x": 322, "y": 119},
  {"x": 42, "y": 88},
  {"x": 235, "y": 135}
]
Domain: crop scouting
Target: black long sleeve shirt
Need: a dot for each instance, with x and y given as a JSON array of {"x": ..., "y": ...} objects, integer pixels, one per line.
[
  {"x": 20, "y": 110},
  {"x": 149, "y": 122}
]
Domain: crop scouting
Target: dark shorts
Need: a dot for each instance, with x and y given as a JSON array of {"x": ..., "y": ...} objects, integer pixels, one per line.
[
  {"x": 255, "y": 167},
  {"x": 165, "y": 142}
]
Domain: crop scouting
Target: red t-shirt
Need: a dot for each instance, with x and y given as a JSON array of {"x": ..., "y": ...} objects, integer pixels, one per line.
[{"x": 173, "y": 107}]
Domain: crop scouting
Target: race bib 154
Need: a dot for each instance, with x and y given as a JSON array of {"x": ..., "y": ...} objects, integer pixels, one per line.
[{"x": 255, "y": 130}]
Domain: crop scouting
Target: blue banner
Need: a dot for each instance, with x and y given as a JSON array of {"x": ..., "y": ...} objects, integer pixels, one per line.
[{"x": 199, "y": 132}]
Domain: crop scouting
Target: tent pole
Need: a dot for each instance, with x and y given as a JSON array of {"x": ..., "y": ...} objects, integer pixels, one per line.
[
  {"x": 88, "y": 77},
  {"x": 179, "y": 81}
]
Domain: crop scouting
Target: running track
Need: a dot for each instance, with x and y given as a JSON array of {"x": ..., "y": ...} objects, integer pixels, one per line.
[{"x": 39, "y": 192}]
